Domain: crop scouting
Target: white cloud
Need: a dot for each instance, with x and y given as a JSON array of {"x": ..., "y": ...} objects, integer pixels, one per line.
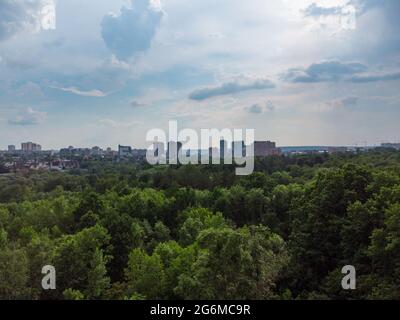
[
  {"x": 48, "y": 16},
  {"x": 90, "y": 93},
  {"x": 26, "y": 16},
  {"x": 118, "y": 124},
  {"x": 29, "y": 117}
]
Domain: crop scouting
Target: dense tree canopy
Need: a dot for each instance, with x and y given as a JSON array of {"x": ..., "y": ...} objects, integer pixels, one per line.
[{"x": 132, "y": 231}]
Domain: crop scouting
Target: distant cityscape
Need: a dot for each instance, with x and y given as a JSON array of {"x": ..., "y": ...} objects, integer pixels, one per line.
[{"x": 31, "y": 156}]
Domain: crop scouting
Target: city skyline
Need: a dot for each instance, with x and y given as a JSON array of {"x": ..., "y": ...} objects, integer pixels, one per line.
[
  {"x": 13, "y": 147},
  {"x": 301, "y": 73}
]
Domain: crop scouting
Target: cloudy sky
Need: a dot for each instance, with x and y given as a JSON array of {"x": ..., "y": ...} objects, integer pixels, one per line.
[{"x": 102, "y": 72}]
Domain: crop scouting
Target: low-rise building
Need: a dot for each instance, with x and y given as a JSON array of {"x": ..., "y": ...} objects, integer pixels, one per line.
[
  {"x": 124, "y": 151},
  {"x": 391, "y": 145},
  {"x": 266, "y": 148}
]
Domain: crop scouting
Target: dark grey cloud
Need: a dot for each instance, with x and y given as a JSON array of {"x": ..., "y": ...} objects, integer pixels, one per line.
[
  {"x": 324, "y": 72},
  {"x": 133, "y": 30},
  {"x": 331, "y": 71},
  {"x": 230, "y": 88},
  {"x": 260, "y": 108},
  {"x": 373, "y": 19},
  {"x": 390, "y": 7},
  {"x": 361, "y": 6},
  {"x": 314, "y": 10},
  {"x": 270, "y": 106},
  {"x": 137, "y": 104},
  {"x": 55, "y": 43},
  {"x": 387, "y": 32},
  {"x": 343, "y": 102},
  {"x": 255, "y": 108},
  {"x": 350, "y": 101},
  {"x": 375, "y": 77},
  {"x": 18, "y": 63},
  {"x": 19, "y": 16}
]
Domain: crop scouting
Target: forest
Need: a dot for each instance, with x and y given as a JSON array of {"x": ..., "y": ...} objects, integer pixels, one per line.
[{"x": 131, "y": 231}]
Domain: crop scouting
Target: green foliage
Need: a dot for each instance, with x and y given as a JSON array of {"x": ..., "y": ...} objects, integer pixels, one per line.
[
  {"x": 14, "y": 274},
  {"x": 71, "y": 294},
  {"x": 144, "y": 274},
  {"x": 133, "y": 231},
  {"x": 74, "y": 258},
  {"x": 234, "y": 264},
  {"x": 98, "y": 282},
  {"x": 196, "y": 220}
]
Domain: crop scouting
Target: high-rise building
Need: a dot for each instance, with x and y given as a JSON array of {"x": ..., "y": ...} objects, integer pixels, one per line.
[
  {"x": 30, "y": 147},
  {"x": 11, "y": 148}
]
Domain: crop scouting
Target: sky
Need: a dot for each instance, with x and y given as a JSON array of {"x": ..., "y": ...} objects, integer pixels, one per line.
[{"x": 102, "y": 72}]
